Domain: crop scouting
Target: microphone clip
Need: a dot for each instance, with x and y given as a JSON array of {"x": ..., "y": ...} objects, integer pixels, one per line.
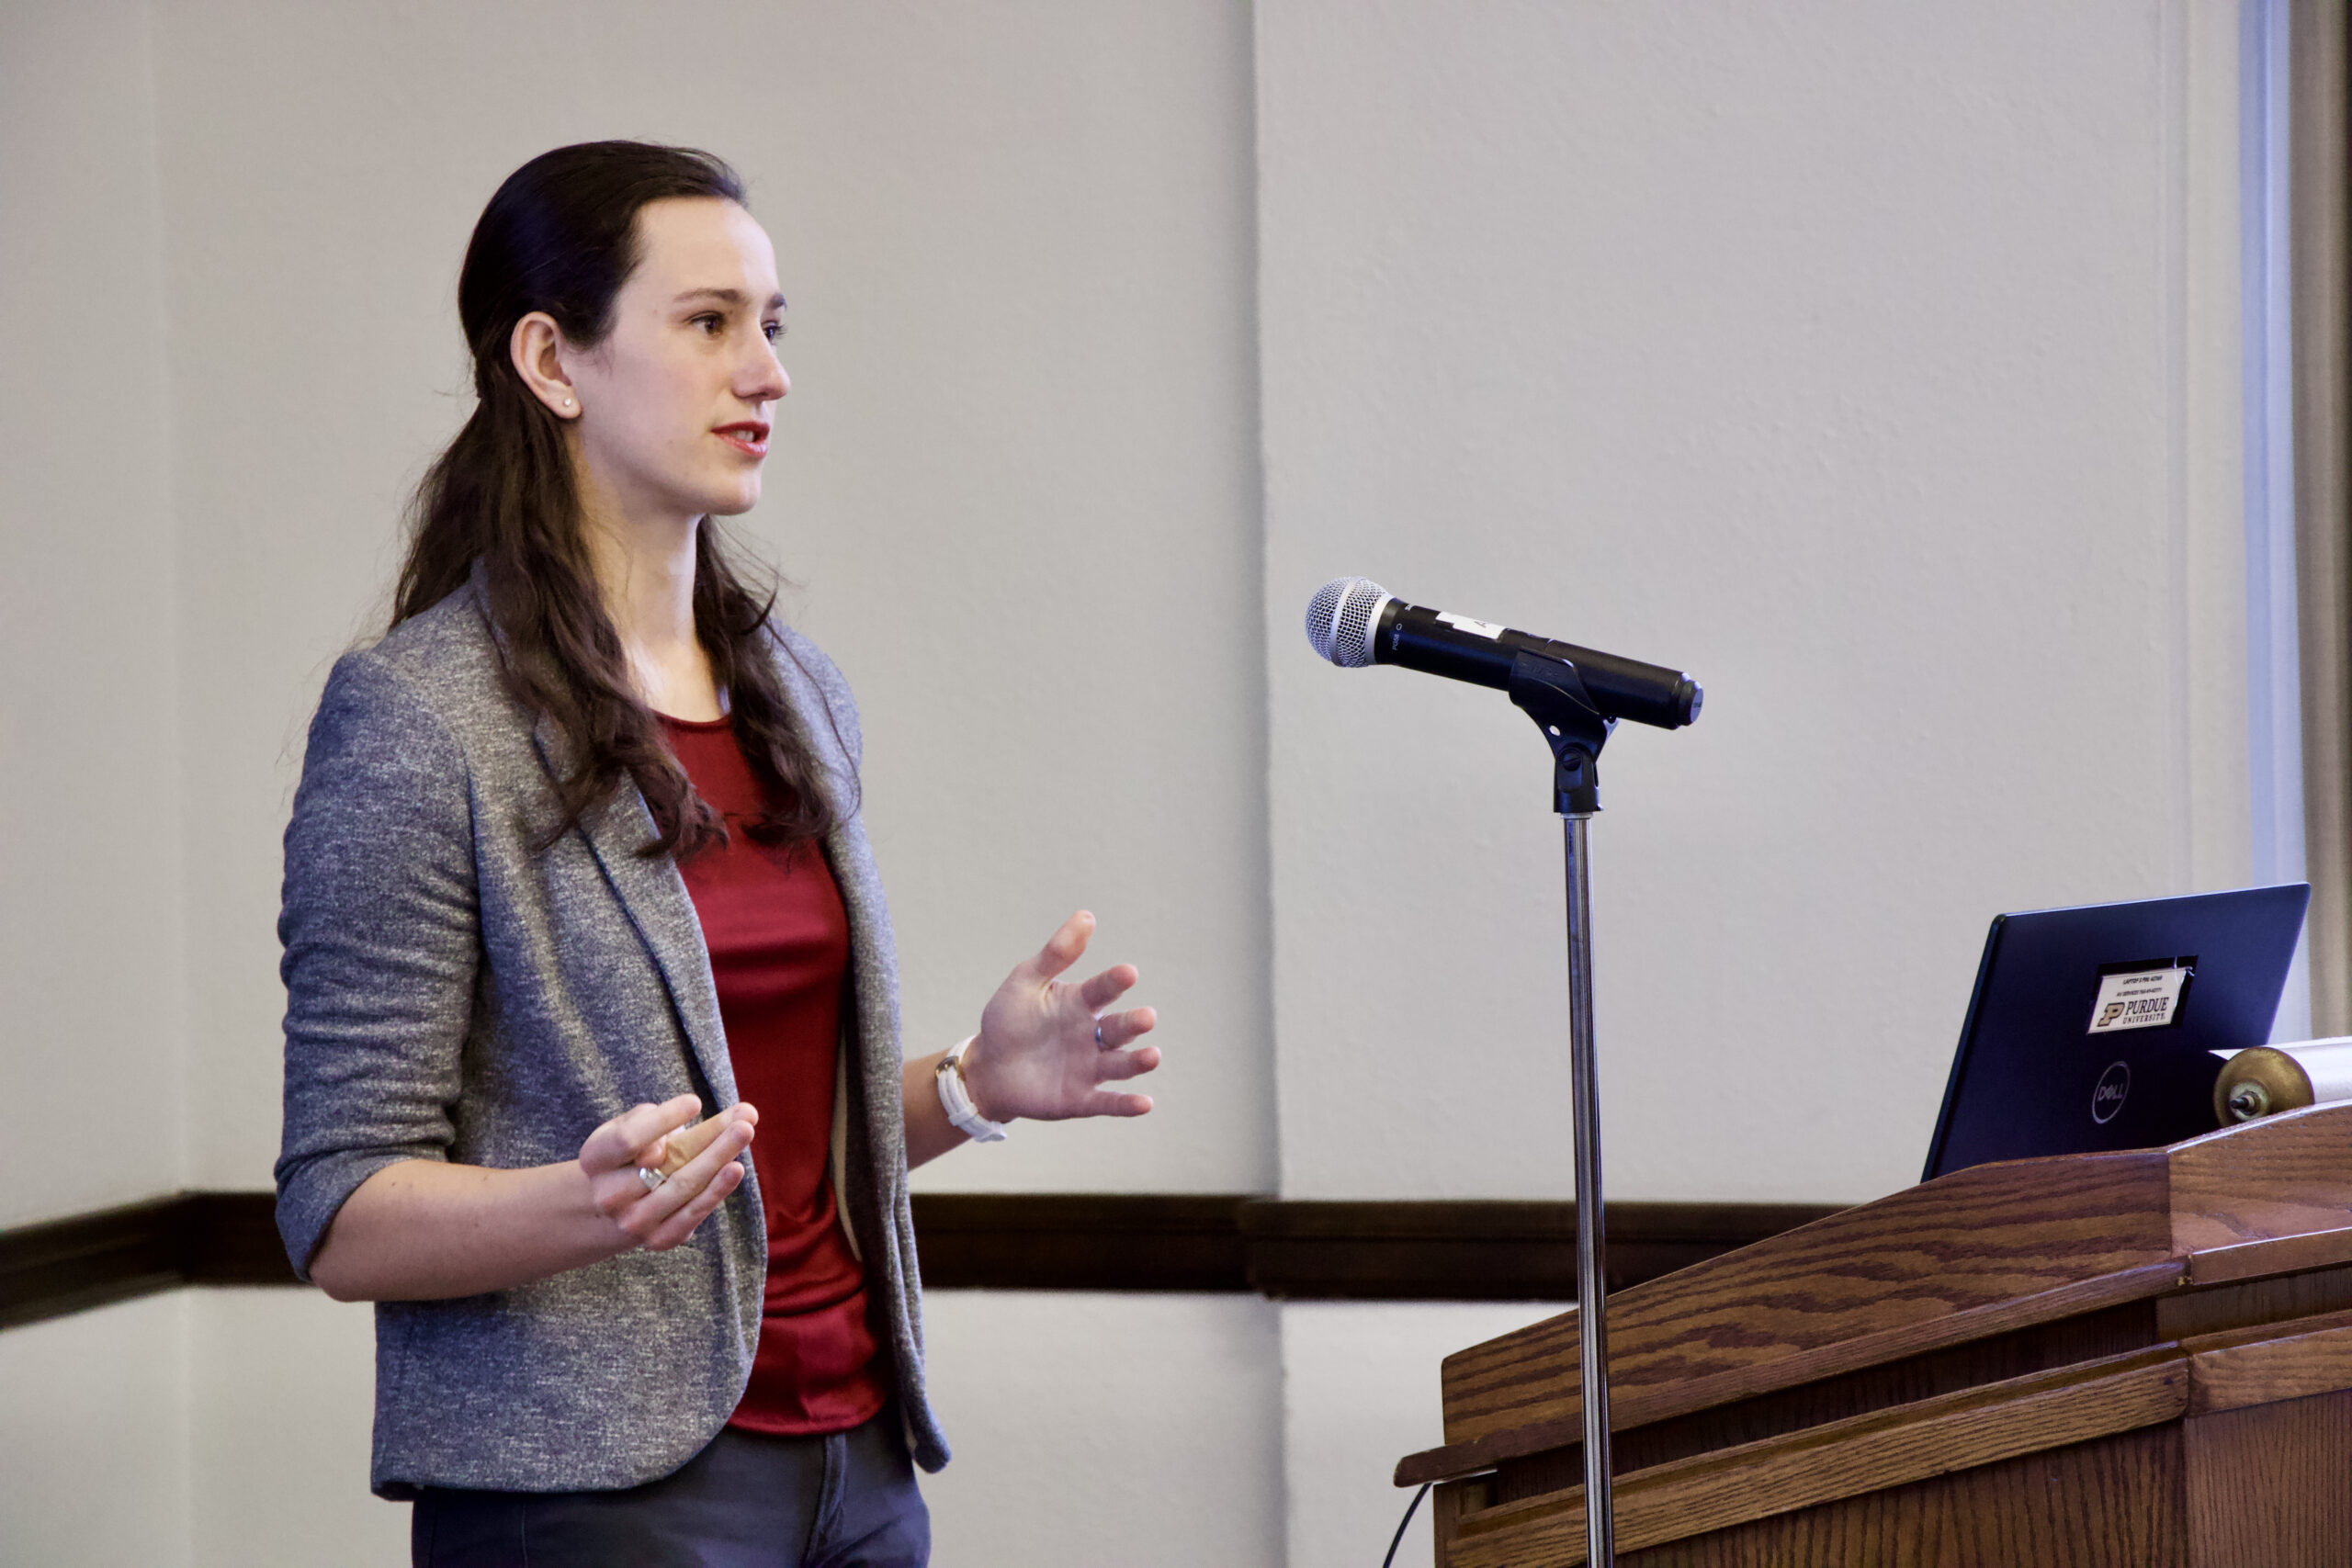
[{"x": 1550, "y": 691}]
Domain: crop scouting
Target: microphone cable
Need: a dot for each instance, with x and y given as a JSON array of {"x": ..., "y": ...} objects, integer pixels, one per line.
[{"x": 1389, "y": 1561}]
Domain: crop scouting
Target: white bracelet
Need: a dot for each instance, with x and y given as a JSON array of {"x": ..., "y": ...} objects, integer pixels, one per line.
[{"x": 957, "y": 1098}]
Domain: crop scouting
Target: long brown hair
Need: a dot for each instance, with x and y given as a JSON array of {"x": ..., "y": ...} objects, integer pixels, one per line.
[{"x": 561, "y": 236}]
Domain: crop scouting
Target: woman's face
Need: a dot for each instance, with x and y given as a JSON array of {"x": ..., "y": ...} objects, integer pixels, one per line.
[{"x": 675, "y": 402}]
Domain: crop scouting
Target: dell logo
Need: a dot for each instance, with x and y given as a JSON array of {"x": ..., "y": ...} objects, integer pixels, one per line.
[{"x": 2108, "y": 1098}]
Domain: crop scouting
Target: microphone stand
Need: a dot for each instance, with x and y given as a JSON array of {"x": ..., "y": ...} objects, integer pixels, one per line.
[{"x": 1550, "y": 691}]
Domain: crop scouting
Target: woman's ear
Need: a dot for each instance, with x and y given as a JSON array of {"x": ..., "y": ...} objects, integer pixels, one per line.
[{"x": 535, "y": 347}]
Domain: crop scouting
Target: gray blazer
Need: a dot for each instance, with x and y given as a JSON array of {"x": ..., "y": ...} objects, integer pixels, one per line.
[{"x": 452, "y": 995}]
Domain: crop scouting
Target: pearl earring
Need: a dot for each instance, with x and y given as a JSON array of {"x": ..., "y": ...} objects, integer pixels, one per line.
[{"x": 566, "y": 402}]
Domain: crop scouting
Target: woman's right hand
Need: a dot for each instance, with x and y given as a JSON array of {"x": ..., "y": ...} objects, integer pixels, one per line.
[{"x": 700, "y": 1157}]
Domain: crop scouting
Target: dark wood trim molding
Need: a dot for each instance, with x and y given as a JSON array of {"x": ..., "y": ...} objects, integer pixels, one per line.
[
  {"x": 1069, "y": 1241},
  {"x": 233, "y": 1240},
  {"x": 1285, "y": 1249},
  {"x": 1482, "y": 1250},
  {"x": 89, "y": 1261}
]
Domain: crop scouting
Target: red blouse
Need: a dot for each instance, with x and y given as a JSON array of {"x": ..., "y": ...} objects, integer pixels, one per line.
[{"x": 779, "y": 952}]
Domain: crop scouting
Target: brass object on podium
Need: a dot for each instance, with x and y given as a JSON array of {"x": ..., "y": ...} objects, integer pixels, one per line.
[{"x": 2260, "y": 1081}]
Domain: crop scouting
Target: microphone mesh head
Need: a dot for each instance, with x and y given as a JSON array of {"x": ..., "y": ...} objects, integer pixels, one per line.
[{"x": 1339, "y": 620}]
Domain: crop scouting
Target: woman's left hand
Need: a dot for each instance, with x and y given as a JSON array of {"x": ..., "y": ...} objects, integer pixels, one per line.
[{"x": 1047, "y": 1047}]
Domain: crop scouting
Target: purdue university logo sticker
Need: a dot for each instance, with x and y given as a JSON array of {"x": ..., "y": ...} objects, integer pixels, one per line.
[{"x": 2141, "y": 998}]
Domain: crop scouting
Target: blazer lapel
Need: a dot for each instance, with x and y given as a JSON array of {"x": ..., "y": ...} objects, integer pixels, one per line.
[
  {"x": 871, "y": 1054},
  {"x": 653, "y": 894},
  {"x": 649, "y": 891}
]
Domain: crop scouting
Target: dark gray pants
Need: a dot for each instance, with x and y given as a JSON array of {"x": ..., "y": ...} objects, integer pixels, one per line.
[{"x": 747, "y": 1501}]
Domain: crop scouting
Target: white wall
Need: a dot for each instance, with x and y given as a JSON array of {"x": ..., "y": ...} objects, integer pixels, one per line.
[
  {"x": 280, "y": 1405},
  {"x": 90, "y": 804},
  {"x": 1857, "y": 359},
  {"x": 94, "y": 1438},
  {"x": 1105, "y": 1431},
  {"x": 94, "y": 1413},
  {"x": 1360, "y": 1391}
]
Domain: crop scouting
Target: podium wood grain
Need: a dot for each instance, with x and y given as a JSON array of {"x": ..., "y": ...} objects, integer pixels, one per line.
[
  {"x": 2087, "y": 1360},
  {"x": 1842, "y": 1459},
  {"x": 2020, "y": 1513},
  {"x": 1974, "y": 1253},
  {"x": 2270, "y": 1485}
]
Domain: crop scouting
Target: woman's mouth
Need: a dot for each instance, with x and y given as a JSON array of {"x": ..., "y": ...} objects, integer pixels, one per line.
[{"x": 748, "y": 436}]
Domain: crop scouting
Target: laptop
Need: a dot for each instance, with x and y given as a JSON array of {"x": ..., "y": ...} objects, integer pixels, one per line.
[{"x": 2096, "y": 1028}]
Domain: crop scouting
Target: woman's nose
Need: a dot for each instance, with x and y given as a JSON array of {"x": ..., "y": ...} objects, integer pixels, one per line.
[{"x": 765, "y": 378}]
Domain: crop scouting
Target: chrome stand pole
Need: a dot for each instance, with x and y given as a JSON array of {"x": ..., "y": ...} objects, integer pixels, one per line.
[
  {"x": 1592, "y": 1320},
  {"x": 1550, "y": 691}
]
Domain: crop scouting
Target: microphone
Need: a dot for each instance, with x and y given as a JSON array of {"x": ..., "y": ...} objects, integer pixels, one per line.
[{"x": 1353, "y": 621}]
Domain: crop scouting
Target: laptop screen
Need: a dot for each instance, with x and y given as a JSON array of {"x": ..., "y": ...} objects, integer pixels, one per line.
[{"x": 2093, "y": 1028}]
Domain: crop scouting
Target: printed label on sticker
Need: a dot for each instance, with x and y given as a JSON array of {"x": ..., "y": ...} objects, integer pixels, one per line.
[
  {"x": 1477, "y": 628},
  {"x": 2144, "y": 999}
]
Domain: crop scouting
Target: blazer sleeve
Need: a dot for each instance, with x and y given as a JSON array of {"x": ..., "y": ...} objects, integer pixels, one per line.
[{"x": 381, "y": 928}]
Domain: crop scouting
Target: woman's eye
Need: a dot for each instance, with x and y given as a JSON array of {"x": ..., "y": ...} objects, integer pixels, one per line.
[
  {"x": 773, "y": 329},
  {"x": 711, "y": 324}
]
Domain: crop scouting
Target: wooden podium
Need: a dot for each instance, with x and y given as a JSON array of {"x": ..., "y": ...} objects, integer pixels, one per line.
[{"x": 2129, "y": 1359}]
